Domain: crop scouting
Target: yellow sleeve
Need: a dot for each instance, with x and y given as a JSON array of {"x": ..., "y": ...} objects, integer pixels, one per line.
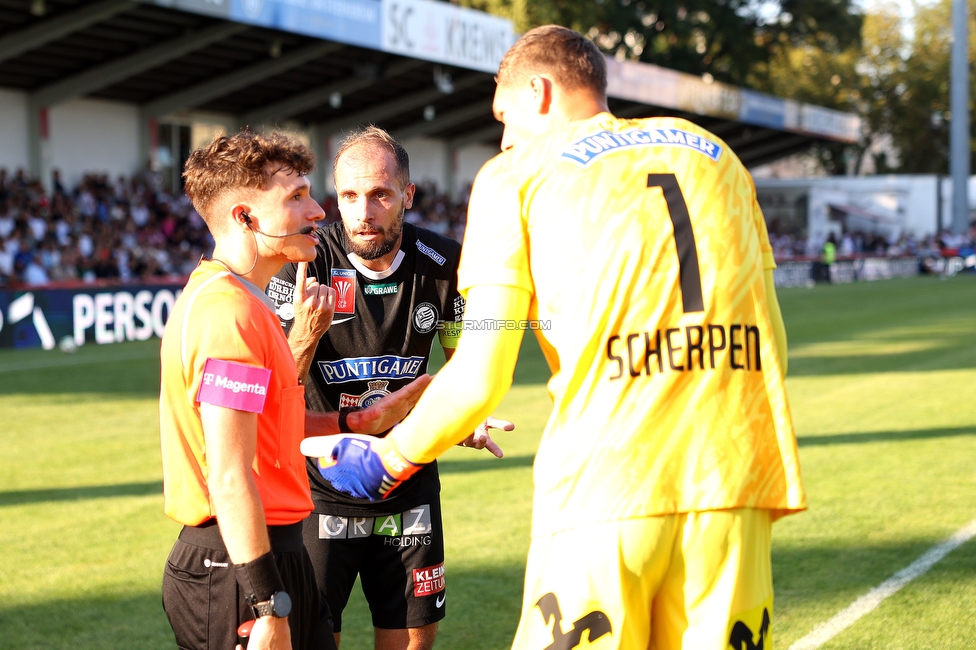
[
  {"x": 769, "y": 265},
  {"x": 779, "y": 327},
  {"x": 473, "y": 382},
  {"x": 495, "y": 249},
  {"x": 769, "y": 262},
  {"x": 494, "y": 277}
]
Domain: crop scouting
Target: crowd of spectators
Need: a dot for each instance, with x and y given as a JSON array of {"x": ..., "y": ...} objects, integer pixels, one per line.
[
  {"x": 131, "y": 228},
  {"x": 103, "y": 229},
  {"x": 855, "y": 244},
  {"x": 438, "y": 212}
]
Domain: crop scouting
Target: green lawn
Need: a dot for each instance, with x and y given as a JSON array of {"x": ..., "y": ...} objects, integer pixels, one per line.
[{"x": 882, "y": 377}]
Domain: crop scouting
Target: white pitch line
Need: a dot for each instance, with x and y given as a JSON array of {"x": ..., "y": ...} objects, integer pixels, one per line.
[
  {"x": 824, "y": 632},
  {"x": 60, "y": 360}
]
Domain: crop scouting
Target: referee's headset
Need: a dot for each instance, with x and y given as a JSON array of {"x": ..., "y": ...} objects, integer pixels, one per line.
[
  {"x": 301, "y": 231},
  {"x": 246, "y": 218}
]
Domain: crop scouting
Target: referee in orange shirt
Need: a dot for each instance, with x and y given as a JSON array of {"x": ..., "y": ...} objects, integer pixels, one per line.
[{"x": 232, "y": 408}]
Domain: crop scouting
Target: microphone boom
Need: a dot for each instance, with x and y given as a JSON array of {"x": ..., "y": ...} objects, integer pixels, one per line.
[{"x": 302, "y": 231}]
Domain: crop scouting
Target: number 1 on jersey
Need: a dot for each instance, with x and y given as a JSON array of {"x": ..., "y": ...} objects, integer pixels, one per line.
[{"x": 684, "y": 241}]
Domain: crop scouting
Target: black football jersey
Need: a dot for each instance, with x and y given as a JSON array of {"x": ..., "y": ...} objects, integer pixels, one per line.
[{"x": 380, "y": 339}]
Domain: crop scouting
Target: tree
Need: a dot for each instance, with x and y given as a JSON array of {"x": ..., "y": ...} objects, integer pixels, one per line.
[
  {"x": 727, "y": 39},
  {"x": 898, "y": 85},
  {"x": 865, "y": 78},
  {"x": 921, "y": 132},
  {"x": 824, "y": 52}
]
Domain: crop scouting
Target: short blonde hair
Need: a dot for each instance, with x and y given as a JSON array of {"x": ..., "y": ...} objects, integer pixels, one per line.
[{"x": 573, "y": 60}]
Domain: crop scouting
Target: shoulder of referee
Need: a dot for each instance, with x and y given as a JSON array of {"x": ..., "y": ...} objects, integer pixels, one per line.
[{"x": 224, "y": 301}]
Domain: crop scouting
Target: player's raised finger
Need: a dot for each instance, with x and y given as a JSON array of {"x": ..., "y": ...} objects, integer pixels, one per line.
[{"x": 300, "y": 281}]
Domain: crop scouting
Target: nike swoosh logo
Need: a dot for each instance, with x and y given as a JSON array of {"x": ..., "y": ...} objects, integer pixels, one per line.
[
  {"x": 440, "y": 600},
  {"x": 336, "y": 321}
]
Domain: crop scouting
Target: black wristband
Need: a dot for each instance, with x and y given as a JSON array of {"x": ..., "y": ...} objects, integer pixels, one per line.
[
  {"x": 343, "y": 414},
  {"x": 259, "y": 578}
]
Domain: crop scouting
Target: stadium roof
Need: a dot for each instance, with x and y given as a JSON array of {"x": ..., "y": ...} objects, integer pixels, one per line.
[{"x": 415, "y": 67}]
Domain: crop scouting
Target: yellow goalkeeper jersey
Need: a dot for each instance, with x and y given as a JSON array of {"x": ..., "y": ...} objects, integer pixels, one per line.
[{"x": 643, "y": 246}]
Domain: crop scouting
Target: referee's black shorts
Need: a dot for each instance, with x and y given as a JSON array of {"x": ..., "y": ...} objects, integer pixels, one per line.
[{"x": 205, "y": 605}]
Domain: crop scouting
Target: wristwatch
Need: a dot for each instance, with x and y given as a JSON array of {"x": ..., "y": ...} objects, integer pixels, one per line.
[
  {"x": 279, "y": 606},
  {"x": 343, "y": 414}
]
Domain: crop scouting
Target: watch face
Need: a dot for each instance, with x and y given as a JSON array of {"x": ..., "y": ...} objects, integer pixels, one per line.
[{"x": 281, "y": 603}]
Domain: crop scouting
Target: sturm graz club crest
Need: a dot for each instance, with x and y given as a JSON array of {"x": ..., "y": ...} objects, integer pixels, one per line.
[
  {"x": 595, "y": 624},
  {"x": 376, "y": 390},
  {"x": 424, "y": 317},
  {"x": 741, "y": 637}
]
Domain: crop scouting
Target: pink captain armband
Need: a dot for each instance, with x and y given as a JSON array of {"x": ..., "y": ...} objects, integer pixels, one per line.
[{"x": 234, "y": 385}]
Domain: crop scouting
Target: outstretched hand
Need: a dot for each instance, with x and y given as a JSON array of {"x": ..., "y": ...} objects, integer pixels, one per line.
[
  {"x": 387, "y": 411},
  {"x": 365, "y": 467},
  {"x": 481, "y": 440}
]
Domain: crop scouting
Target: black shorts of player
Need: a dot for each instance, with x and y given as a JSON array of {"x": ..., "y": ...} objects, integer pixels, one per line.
[
  {"x": 399, "y": 558},
  {"x": 204, "y": 602}
]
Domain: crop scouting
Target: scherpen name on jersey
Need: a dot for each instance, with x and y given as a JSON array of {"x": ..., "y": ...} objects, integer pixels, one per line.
[
  {"x": 587, "y": 149},
  {"x": 685, "y": 349}
]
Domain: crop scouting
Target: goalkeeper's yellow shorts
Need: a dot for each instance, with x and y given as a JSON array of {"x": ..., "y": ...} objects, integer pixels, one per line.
[{"x": 698, "y": 581}]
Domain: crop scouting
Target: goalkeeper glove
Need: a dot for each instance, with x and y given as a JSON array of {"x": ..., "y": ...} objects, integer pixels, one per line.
[{"x": 364, "y": 466}]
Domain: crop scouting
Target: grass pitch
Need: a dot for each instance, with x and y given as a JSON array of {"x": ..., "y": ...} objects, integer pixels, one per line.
[{"x": 881, "y": 382}]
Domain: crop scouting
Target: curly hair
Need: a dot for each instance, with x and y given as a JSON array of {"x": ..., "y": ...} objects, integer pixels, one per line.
[
  {"x": 569, "y": 56},
  {"x": 245, "y": 160}
]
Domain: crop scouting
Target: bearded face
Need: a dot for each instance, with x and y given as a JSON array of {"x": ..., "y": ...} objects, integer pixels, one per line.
[
  {"x": 372, "y": 198},
  {"x": 370, "y": 241}
]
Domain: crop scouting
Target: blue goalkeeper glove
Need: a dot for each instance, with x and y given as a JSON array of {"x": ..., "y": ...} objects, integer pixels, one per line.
[{"x": 361, "y": 466}]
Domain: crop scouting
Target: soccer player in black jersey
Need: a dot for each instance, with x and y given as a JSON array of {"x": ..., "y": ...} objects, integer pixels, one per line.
[{"x": 396, "y": 287}]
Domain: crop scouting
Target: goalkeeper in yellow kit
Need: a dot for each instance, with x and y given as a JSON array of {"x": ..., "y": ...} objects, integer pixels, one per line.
[{"x": 639, "y": 247}]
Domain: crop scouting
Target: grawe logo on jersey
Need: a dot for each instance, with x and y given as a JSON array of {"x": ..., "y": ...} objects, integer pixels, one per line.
[{"x": 344, "y": 283}]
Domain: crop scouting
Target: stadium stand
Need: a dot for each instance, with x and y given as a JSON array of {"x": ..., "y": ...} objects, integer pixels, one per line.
[
  {"x": 130, "y": 228},
  {"x": 109, "y": 84}
]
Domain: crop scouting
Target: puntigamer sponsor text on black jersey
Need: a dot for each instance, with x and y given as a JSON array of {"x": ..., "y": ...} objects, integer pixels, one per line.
[{"x": 380, "y": 339}]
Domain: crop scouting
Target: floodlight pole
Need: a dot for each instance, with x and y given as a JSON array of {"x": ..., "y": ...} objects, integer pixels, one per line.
[{"x": 959, "y": 128}]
